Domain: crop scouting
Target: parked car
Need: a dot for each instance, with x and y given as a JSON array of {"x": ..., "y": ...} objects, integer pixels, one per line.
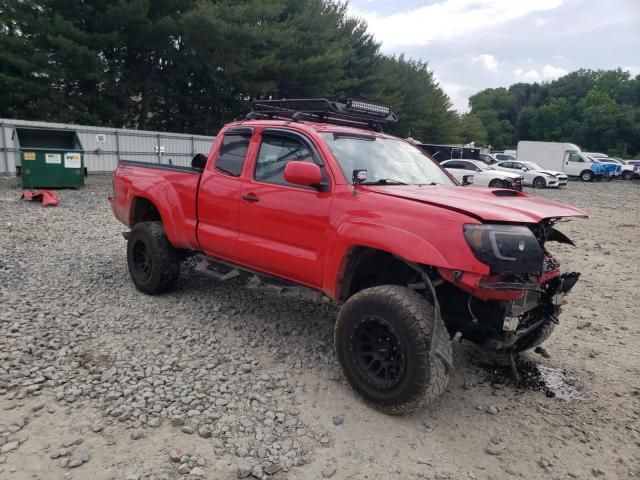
[
  {"x": 628, "y": 169},
  {"x": 567, "y": 158},
  {"x": 484, "y": 175},
  {"x": 504, "y": 156},
  {"x": 636, "y": 168},
  {"x": 295, "y": 191},
  {"x": 534, "y": 174},
  {"x": 487, "y": 158}
]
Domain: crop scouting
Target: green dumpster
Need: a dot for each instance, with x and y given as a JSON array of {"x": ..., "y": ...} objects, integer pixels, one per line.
[{"x": 50, "y": 158}]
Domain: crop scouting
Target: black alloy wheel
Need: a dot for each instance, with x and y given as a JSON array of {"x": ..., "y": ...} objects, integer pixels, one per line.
[
  {"x": 379, "y": 353},
  {"x": 142, "y": 261}
]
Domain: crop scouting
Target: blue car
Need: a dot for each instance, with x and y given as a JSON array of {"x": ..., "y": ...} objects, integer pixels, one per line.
[{"x": 605, "y": 170}]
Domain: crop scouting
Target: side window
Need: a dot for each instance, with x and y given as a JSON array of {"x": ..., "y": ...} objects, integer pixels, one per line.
[
  {"x": 507, "y": 165},
  {"x": 517, "y": 165},
  {"x": 575, "y": 157},
  {"x": 454, "y": 165},
  {"x": 468, "y": 166},
  {"x": 275, "y": 152},
  {"x": 233, "y": 153}
]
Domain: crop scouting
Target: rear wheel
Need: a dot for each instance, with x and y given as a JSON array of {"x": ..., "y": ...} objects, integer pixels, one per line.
[
  {"x": 154, "y": 265},
  {"x": 496, "y": 183},
  {"x": 394, "y": 351},
  {"x": 539, "y": 182},
  {"x": 586, "y": 176}
]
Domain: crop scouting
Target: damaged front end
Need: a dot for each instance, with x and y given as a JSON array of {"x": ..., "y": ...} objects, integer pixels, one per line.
[{"x": 523, "y": 292}]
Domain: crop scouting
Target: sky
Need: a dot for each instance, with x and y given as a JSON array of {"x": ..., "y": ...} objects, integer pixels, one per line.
[{"x": 471, "y": 45}]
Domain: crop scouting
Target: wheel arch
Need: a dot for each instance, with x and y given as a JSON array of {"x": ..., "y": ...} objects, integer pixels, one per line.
[
  {"x": 541, "y": 177},
  {"x": 144, "y": 207},
  {"x": 143, "y": 210},
  {"x": 366, "y": 267},
  {"x": 587, "y": 170},
  {"x": 353, "y": 239}
]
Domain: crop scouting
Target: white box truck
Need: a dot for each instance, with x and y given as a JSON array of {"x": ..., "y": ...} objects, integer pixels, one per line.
[{"x": 563, "y": 157}]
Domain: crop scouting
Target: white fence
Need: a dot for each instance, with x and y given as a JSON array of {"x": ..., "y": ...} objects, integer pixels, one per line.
[{"x": 104, "y": 147}]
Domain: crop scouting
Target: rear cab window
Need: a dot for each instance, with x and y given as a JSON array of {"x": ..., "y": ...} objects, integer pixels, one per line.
[{"x": 233, "y": 152}]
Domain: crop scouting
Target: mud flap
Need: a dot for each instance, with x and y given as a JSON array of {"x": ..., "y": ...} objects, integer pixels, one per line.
[{"x": 438, "y": 324}]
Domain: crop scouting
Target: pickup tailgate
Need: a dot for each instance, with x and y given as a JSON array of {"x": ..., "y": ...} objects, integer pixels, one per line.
[{"x": 148, "y": 191}]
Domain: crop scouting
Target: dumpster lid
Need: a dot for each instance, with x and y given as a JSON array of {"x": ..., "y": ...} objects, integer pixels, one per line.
[{"x": 48, "y": 139}]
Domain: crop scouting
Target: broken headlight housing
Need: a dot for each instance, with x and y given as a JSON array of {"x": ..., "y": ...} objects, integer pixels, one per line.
[{"x": 505, "y": 248}]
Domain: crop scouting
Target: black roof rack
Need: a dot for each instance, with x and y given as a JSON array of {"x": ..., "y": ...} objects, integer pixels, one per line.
[{"x": 352, "y": 113}]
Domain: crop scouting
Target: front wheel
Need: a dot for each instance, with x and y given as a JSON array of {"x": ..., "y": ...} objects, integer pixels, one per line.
[
  {"x": 394, "y": 351},
  {"x": 539, "y": 182},
  {"x": 153, "y": 263},
  {"x": 586, "y": 176},
  {"x": 627, "y": 175},
  {"x": 495, "y": 183}
]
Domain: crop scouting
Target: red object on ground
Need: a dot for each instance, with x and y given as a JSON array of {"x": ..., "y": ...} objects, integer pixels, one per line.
[{"x": 46, "y": 197}]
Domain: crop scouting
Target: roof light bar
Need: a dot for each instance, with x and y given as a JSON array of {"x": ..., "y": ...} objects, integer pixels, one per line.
[{"x": 368, "y": 107}]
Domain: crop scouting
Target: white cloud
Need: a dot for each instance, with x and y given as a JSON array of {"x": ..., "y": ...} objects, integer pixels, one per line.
[
  {"x": 540, "y": 22},
  {"x": 528, "y": 76},
  {"x": 489, "y": 62},
  {"x": 549, "y": 72},
  {"x": 458, "y": 94},
  {"x": 633, "y": 70},
  {"x": 448, "y": 19}
]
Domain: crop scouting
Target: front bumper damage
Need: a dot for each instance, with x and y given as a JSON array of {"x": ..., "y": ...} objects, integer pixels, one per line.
[{"x": 534, "y": 309}]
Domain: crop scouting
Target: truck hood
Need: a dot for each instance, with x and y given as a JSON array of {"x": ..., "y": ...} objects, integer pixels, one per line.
[{"x": 485, "y": 204}]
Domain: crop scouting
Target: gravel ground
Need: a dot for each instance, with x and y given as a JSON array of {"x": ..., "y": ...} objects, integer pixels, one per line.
[{"x": 219, "y": 381}]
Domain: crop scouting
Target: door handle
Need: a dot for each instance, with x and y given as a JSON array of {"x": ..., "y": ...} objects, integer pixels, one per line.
[{"x": 250, "y": 198}]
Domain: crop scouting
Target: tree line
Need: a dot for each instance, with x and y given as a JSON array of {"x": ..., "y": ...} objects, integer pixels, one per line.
[
  {"x": 193, "y": 65},
  {"x": 598, "y": 110}
]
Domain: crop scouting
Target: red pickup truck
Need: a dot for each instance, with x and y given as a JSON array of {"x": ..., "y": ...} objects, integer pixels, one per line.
[{"x": 312, "y": 192}]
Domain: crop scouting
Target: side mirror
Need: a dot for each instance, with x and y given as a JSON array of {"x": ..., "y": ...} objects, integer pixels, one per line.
[
  {"x": 199, "y": 161},
  {"x": 359, "y": 176},
  {"x": 303, "y": 173},
  {"x": 467, "y": 180}
]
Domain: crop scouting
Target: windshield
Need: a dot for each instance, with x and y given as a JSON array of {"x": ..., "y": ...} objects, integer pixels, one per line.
[
  {"x": 533, "y": 166},
  {"x": 387, "y": 161}
]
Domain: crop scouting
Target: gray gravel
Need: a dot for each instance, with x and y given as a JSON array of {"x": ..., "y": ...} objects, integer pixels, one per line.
[
  {"x": 227, "y": 367},
  {"x": 73, "y": 324}
]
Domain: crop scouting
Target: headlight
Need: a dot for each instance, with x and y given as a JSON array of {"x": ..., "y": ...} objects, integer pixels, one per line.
[{"x": 505, "y": 248}]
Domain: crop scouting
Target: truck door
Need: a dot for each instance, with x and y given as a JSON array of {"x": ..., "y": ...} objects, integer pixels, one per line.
[
  {"x": 282, "y": 227},
  {"x": 219, "y": 192},
  {"x": 574, "y": 164}
]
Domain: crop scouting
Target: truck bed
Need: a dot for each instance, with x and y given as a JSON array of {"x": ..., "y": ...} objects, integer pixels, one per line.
[{"x": 136, "y": 184}]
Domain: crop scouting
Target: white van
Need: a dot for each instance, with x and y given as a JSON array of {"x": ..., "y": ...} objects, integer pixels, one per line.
[{"x": 561, "y": 156}]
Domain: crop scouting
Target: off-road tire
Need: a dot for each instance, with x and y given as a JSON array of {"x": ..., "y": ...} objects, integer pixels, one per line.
[
  {"x": 424, "y": 338},
  {"x": 539, "y": 182},
  {"x": 586, "y": 176},
  {"x": 535, "y": 338},
  {"x": 164, "y": 260},
  {"x": 496, "y": 183}
]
